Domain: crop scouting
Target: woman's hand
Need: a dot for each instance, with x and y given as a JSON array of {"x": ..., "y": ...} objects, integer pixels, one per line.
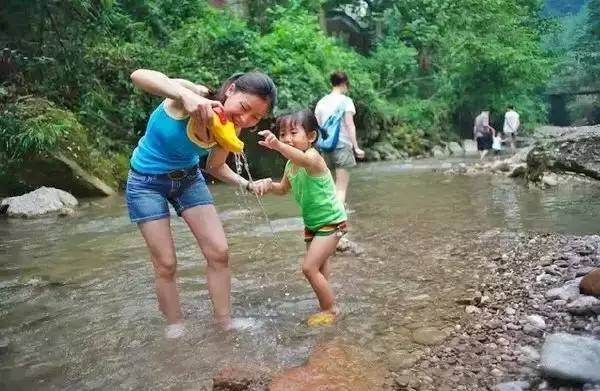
[
  {"x": 200, "y": 108},
  {"x": 261, "y": 186}
]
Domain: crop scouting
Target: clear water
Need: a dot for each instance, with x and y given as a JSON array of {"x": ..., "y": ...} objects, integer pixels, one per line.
[{"x": 78, "y": 309}]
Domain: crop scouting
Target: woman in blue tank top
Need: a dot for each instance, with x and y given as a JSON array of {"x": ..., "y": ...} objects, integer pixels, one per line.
[{"x": 164, "y": 169}]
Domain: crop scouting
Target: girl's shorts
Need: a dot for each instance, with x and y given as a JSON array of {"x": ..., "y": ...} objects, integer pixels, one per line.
[
  {"x": 147, "y": 195},
  {"x": 339, "y": 229}
]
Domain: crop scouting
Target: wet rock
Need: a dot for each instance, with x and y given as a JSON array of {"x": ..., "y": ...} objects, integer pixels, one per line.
[
  {"x": 347, "y": 246},
  {"x": 590, "y": 284},
  {"x": 529, "y": 354},
  {"x": 66, "y": 212},
  {"x": 550, "y": 180},
  {"x": 585, "y": 305},
  {"x": 536, "y": 321},
  {"x": 242, "y": 379},
  {"x": 510, "y": 311},
  {"x": 571, "y": 357},
  {"x": 333, "y": 367},
  {"x": 455, "y": 149},
  {"x": 402, "y": 360},
  {"x": 501, "y": 165},
  {"x": 429, "y": 336},
  {"x": 439, "y": 153},
  {"x": 517, "y": 170},
  {"x": 39, "y": 202},
  {"x": 582, "y": 271},
  {"x": 567, "y": 292},
  {"x": 471, "y": 309},
  {"x": 512, "y": 386}
]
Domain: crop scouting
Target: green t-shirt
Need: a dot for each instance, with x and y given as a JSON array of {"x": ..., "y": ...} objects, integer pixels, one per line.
[{"x": 316, "y": 197}]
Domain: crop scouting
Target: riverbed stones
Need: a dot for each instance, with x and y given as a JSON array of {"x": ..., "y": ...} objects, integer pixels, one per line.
[
  {"x": 512, "y": 386},
  {"x": 571, "y": 357},
  {"x": 567, "y": 292},
  {"x": 536, "y": 321},
  {"x": 590, "y": 284},
  {"x": 584, "y": 305},
  {"x": 242, "y": 379},
  {"x": 37, "y": 203},
  {"x": 429, "y": 336}
]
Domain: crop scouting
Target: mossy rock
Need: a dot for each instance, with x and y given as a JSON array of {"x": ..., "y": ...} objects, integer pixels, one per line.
[{"x": 50, "y": 147}]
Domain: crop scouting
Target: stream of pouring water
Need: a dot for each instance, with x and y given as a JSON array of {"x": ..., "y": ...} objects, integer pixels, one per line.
[{"x": 241, "y": 163}]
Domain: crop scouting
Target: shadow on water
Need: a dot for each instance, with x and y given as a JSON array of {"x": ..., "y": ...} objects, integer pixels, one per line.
[{"x": 78, "y": 309}]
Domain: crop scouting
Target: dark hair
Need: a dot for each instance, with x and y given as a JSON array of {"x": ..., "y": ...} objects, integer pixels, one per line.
[
  {"x": 304, "y": 118},
  {"x": 337, "y": 78},
  {"x": 254, "y": 83},
  {"x": 511, "y": 107}
]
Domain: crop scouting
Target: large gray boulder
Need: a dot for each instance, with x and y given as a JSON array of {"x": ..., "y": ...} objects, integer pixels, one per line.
[
  {"x": 439, "y": 153},
  {"x": 575, "y": 150},
  {"x": 455, "y": 149},
  {"x": 571, "y": 357},
  {"x": 39, "y": 202}
]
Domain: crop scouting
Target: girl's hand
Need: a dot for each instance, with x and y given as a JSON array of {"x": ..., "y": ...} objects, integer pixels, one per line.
[
  {"x": 200, "y": 108},
  {"x": 262, "y": 186},
  {"x": 270, "y": 140}
]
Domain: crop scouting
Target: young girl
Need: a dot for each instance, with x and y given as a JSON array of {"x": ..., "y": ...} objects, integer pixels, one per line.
[{"x": 307, "y": 175}]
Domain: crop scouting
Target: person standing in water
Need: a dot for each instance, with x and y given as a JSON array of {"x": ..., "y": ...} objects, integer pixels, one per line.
[
  {"x": 483, "y": 133},
  {"x": 342, "y": 158},
  {"x": 164, "y": 169},
  {"x": 306, "y": 175},
  {"x": 511, "y": 126}
]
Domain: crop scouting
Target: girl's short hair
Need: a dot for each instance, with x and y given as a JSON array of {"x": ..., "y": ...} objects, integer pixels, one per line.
[
  {"x": 254, "y": 83},
  {"x": 304, "y": 118}
]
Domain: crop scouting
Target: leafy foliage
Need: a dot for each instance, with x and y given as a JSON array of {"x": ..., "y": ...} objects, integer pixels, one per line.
[{"x": 434, "y": 63}]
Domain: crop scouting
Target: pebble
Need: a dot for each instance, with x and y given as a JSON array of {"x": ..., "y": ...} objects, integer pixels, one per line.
[{"x": 536, "y": 321}]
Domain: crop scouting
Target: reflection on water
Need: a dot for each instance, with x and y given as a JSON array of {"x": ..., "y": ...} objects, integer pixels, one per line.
[{"x": 78, "y": 309}]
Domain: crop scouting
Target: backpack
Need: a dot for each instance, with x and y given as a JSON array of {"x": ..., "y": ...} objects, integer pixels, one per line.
[{"x": 329, "y": 132}]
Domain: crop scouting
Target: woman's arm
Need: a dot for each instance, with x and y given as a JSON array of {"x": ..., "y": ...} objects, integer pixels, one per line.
[{"x": 159, "y": 84}]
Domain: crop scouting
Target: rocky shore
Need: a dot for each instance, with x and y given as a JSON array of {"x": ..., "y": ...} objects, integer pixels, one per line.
[{"x": 528, "y": 327}]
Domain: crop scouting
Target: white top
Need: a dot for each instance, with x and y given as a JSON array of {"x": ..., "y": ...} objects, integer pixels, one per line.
[
  {"x": 511, "y": 122},
  {"x": 328, "y": 105}
]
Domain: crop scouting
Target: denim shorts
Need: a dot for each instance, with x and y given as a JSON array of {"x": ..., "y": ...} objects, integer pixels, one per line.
[{"x": 147, "y": 195}]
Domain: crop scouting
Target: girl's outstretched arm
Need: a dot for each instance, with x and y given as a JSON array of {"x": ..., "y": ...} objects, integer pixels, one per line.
[{"x": 311, "y": 160}]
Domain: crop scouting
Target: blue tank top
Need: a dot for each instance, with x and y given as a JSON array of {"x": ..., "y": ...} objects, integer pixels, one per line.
[{"x": 165, "y": 146}]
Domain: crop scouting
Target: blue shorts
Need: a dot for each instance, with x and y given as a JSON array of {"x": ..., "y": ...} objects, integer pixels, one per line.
[{"x": 147, "y": 195}]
